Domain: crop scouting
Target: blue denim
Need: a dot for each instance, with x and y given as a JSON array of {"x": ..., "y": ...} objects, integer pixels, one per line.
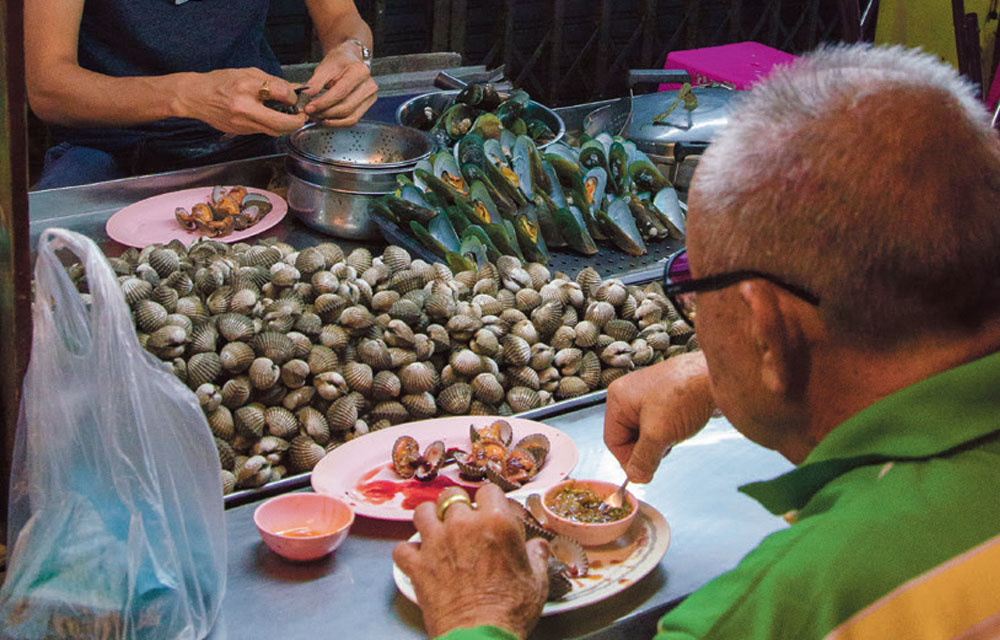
[{"x": 69, "y": 164}]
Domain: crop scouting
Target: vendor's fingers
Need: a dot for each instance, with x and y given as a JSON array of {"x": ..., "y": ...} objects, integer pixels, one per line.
[
  {"x": 274, "y": 123},
  {"x": 352, "y": 119},
  {"x": 351, "y": 78},
  {"x": 359, "y": 100}
]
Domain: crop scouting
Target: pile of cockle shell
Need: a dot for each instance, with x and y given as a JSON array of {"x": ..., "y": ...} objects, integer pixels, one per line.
[{"x": 293, "y": 352}]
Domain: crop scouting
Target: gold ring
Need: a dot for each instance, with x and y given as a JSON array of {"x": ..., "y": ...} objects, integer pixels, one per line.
[
  {"x": 265, "y": 92},
  {"x": 443, "y": 507}
]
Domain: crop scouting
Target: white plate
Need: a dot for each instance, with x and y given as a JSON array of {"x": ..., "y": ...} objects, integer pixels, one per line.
[
  {"x": 152, "y": 220},
  {"x": 350, "y": 471},
  {"x": 614, "y": 567}
]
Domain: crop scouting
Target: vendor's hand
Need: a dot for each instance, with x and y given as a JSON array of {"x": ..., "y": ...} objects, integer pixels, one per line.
[
  {"x": 650, "y": 410},
  {"x": 474, "y": 568},
  {"x": 231, "y": 100},
  {"x": 350, "y": 89}
]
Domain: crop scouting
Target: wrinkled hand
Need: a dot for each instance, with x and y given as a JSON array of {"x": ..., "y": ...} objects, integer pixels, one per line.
[
  {"x": 650, "y": 410},
  {"x": 475, "y": 568},
  {"x": 350, "y": 89},
  {"x": 229, "y": 100}
]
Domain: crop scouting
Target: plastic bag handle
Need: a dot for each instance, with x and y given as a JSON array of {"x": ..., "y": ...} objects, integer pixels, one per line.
[{"x": 108, "y": 311}]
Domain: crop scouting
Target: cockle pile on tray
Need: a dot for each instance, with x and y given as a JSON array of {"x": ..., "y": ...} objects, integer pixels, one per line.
[{"x": 293, "y": 352}]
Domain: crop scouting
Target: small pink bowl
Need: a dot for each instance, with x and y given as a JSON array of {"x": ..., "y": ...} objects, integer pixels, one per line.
[
  {"x": 303, "y": 526},
  {"x": 589, "y": 534}
]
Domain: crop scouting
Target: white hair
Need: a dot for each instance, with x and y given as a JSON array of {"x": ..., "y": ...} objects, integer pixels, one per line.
[
  {"x": 803, "y": 91},
  {"x": 867, "y": 175}
]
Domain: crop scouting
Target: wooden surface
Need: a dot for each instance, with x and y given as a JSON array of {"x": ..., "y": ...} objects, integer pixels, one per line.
[{"x": 15, "y": 277}]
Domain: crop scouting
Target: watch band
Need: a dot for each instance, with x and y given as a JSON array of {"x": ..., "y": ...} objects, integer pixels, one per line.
[{"x": 366, "y": 53}]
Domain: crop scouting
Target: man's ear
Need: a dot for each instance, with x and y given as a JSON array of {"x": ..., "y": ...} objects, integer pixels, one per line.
[{"x": 778, "y": 339}]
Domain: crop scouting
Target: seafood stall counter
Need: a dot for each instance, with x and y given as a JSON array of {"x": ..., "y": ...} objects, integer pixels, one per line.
[{"x": 706, "y": 526}]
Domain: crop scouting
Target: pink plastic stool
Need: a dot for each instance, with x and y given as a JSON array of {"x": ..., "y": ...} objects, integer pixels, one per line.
[{"x": 740, "y": 64}]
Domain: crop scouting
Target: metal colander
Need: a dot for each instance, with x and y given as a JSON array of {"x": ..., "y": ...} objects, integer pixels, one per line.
[{"x": 366, "y": 145}]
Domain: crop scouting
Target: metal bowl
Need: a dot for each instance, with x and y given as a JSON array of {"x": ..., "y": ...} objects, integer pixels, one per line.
[
  {"x": 340, "y": 213},
  {"x": 335, "y": 172},
  {"x": 441, "y": 100}
]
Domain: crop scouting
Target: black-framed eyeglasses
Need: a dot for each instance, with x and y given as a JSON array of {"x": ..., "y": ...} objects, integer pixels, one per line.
[{"x": 681, "y": 289}]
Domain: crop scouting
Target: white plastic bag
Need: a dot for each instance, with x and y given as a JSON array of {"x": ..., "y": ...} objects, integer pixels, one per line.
[{"x": 116, "y": 528}]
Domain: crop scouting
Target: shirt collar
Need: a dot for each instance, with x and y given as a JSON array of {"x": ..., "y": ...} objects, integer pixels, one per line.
[{"x": 926, "y": 419}]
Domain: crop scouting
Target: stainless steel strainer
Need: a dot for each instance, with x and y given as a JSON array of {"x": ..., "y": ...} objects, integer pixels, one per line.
[{"x": 366, "y": 145}]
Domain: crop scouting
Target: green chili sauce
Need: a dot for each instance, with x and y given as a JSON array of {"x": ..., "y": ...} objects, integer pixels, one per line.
[{"x": 583, "y": 505}]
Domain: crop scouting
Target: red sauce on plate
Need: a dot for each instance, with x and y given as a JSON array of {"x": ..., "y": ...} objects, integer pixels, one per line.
[{"x": 413, "y": 491}]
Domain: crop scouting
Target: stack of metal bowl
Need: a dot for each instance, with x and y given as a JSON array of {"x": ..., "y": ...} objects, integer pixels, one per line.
[{"x": 335, "y": 172}]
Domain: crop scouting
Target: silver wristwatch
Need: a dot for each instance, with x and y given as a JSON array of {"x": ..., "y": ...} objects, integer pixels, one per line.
[{"x": 366, "y": 53}]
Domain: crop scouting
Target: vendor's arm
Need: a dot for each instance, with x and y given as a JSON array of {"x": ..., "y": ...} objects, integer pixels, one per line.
[
  {"x": 475, "y": 569},
  {"x": 350, "y": 89},
  {"x": 650, "y": 410},
  {"x": 61, "y": 91}
]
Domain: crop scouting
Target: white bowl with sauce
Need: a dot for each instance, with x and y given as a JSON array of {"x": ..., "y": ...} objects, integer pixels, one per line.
[{"x": 303, "y": 526}]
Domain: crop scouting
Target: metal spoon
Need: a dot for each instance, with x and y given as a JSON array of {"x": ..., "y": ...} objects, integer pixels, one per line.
[{"x": 617, "y": 499}]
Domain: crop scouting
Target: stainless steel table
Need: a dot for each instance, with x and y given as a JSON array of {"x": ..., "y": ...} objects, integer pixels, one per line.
[{"x": 712, "y": 527}]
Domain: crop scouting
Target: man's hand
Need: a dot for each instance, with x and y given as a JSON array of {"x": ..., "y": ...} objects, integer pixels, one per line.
[
  {"x": 474, "y": 568},
  {"x": 350, "y": 89},
  {"x": 650, "y": 410},
  {"x": 231, "y": 100}
]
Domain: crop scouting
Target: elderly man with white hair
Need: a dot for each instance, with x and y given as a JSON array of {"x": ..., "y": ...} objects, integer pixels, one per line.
[{"x": 843, "y": 272}]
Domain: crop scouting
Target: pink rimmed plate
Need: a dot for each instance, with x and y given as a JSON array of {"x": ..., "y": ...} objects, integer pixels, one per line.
[
  {"x": 152, "y": 221},
  {"x": 360, "y": 471}
]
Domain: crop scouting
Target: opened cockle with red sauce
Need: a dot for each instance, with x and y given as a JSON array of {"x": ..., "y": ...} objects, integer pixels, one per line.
[{"x": 580, "y": 504}]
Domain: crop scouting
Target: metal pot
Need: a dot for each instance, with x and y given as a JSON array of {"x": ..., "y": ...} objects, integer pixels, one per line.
[
  {"x": 340, "y": 213},
  {"x": 335, "y": 172},
  {"x": 676, "y": 143}
]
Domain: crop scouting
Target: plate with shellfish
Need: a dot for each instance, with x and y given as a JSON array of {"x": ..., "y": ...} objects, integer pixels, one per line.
[
  {"x": 600, "y": 572},
  {"x": 224, "y": 213},
  {"x": 387, "y": 473}
]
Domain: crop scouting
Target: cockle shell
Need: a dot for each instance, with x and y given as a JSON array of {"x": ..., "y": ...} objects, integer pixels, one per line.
[
  {"x": 294, "y": 373},
  {"x": 420, "y": 405},
  {"x": 358, "y": 376},
  {"x": 264, "y": 373},
  {"x": 165, "y": 296},
  {"x": 356, "y": 319},
  {"x": 236, "y": 357},
  {"x": 599, "y": 312},
  {"x": 466, "y": 362},
  {"x": 622, "y": 330},
  {"x": 386, "y": 386},
  {"x": 396, "y": 258},
  {"x": 236, "y": 391},
  {"x": 281, "y": 422},
  {"x": 203, "y": 339},
  {"x": 249, "y": 421},
  {"x": 570, "y": 387},
  {"x": 342, "y": 414},
  {"x": 523, "y": 399},
  {"x": 193, "y": 308},
  {"x": 314, "y": 424},
  {"x": 568, "y": 361},
  {"x": 374, "y": 353},
  {"x": 304, "y": 454},
  {"x": 360, "y": 259},
  {"x": 149, "y": 315},
  {"x": 617, "y": 354},
  {"x": 135, "y": 290},
  {"x": 164, "y": 261},
  {"x": 202, "y": 368},
  {"x": 524, "y": 376},
  {"x": 455, "y": 399},
  {"x": 220, "y": 422},
  {"x": 486, "y": 388},
  {"x": 516, "y": 350},
  {"x": 298, "y": 398},
  {"x": 331, "y": 253},
  {"x": 525, "y": 330},
  {"x": 271, "y": 344},
  {"x": 563, "y": 338}
]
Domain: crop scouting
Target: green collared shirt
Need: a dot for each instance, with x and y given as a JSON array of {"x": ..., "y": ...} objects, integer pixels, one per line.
[
  {"x": 899, "y": 488},
  {"x": 893, "y": 492}
]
